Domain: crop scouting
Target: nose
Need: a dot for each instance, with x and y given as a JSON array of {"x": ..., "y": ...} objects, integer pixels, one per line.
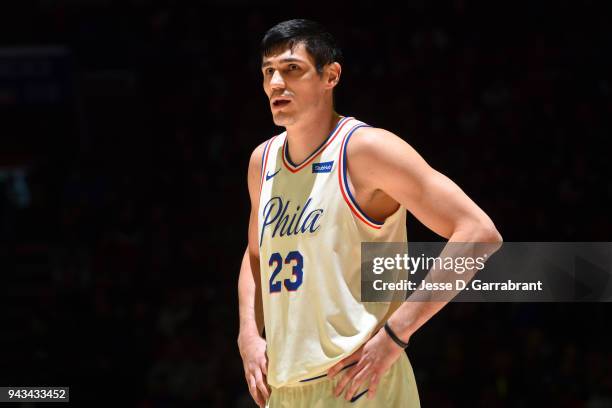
[{"x": 277, "y": 81}]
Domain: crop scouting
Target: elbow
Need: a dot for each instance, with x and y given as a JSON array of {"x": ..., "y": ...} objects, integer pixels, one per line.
[
  {"x": 489, "y": 235},
  {"x": 492, "y": 235},
  {"x": 481, "y": 232}
]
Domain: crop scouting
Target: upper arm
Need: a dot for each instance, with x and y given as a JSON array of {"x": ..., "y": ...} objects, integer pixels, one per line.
[
  {"x": 394, "y": 167},
  {"x": 254, "y": 183}
]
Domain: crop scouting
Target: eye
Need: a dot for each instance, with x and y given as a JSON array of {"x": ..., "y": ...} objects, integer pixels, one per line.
[
  {"x": 268, "y": 71},
  {"x": 293, "y": 67}
]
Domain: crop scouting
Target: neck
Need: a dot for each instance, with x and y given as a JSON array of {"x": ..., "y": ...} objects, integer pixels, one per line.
[{"x": 304, "y": 138}]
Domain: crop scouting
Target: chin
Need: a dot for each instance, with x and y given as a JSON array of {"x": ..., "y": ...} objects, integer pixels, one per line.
[{"x": 283, "y": 119}]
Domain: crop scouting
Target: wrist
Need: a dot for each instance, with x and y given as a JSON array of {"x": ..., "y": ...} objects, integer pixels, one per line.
[
  {"x": 247, "y": 336},
  {"x": 392, "y": 335}
]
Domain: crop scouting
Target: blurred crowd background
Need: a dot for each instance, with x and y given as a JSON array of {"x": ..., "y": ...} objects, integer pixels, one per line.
[{"x": 125, "y": 132}]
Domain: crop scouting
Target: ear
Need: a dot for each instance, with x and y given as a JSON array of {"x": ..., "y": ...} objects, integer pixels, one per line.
[{"x": 332, "y": 76}]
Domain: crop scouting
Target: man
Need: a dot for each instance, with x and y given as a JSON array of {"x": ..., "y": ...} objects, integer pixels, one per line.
[{"x": 314, "y": 198}]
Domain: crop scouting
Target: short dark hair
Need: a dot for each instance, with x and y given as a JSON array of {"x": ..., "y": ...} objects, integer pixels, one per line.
[{"x": 319, "y": 43}]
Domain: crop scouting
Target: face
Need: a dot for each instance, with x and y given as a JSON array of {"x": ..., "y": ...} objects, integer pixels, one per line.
[{"x": 294, "y": 88}]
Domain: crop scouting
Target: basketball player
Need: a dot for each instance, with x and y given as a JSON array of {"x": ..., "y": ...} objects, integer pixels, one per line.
[{"x": 317, "y": 191}]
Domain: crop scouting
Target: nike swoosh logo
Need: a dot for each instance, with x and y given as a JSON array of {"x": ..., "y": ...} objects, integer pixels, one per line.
[{"x": 268, "y": 176}]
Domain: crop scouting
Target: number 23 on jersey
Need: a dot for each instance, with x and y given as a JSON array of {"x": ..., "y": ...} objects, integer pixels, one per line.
[{"x": 293, "y": 283}]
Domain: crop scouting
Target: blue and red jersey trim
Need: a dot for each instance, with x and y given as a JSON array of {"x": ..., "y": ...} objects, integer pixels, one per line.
[
  {"x": 344, "y": 186},
  {"x": 293, "y": 168},
  {"x": 264, "y": 161}
]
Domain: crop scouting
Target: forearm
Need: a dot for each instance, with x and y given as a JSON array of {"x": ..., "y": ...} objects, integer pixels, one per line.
[
  {"x": 412, "y": 314},
  {"x": 249, "y": 298}
]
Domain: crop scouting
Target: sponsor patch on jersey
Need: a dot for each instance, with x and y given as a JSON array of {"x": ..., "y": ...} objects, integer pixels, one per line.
[{"x": 324, "y": 167}]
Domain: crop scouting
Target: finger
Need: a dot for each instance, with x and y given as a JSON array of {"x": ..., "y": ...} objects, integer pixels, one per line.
[
  {"x": 256, "y": 397},
  {"x": 358, "y": 380},
  {"x": 264, "y": 369},
  {"x": 253, "y": 390},
  {"x": 261, "y": 385},
  {"x": 356, "y": 356},
  {"x": 373, "y": 385},
  {"x": 345, "y": 379}
]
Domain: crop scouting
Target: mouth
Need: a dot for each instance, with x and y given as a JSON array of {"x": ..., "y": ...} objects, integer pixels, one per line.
[{"x": 280, "y": 102}]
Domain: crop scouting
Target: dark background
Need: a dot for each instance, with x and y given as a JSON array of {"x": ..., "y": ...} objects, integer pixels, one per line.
[{"x": 125, "y": 132}]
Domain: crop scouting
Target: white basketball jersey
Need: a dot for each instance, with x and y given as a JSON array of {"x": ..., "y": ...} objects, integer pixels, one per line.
[{"x": 310, "y": 234}]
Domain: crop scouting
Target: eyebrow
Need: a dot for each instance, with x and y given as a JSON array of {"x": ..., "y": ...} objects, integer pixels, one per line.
[{"x": 289, "y": 59}]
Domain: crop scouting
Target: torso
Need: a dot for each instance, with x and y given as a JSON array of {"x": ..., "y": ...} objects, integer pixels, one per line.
[{"x": 311, "y": 222}]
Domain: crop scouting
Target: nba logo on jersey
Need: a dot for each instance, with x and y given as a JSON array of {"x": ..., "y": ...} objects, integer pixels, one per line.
[{"x": 322, "y": 167}]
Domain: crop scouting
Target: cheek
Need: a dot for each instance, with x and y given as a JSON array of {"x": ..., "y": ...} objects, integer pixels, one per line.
[{"x": 313, "y": 94}]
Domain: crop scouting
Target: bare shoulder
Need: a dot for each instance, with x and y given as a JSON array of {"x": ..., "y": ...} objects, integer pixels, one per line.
[
  {"x": 255, "y": 161},
  {"x": 254, "y": 172},
  {"x": 383, "y": 160},
  {"x": 256, "y": 156},
  {"x": 376, "y": 144},
  {"x": 371, "y": 134}
]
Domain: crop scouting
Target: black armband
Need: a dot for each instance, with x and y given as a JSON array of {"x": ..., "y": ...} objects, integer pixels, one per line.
[{"x": 394, "y": 336}]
